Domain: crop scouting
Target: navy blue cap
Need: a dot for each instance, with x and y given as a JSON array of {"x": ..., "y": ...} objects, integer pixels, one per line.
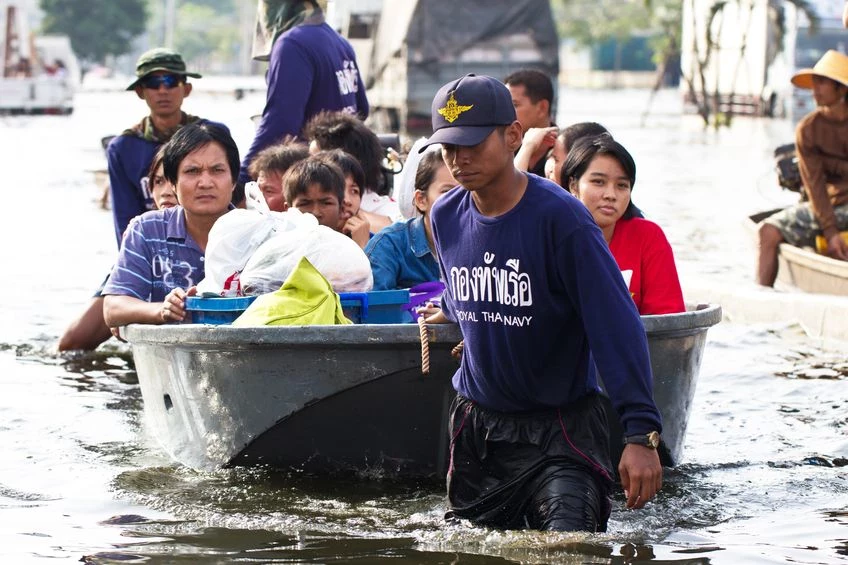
[{"x": 465, "y": 111}]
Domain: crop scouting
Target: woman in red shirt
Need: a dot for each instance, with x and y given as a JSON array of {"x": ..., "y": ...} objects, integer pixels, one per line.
[{"x": 601, "y": 173}]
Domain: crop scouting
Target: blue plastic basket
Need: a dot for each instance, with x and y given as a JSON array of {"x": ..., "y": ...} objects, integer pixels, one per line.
[
  {"x": 217, "y": 310},
  {"x": 376, "y": 307}
]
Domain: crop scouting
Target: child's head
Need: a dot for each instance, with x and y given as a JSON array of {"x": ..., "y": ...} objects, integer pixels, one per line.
[
  {"x": 162, "y": 191},
  {"x": 354, "y": 181},
  {"x": 432, "y": 180},
  {"x": 316, "y": 186},
  {"x": 269, "y": 168}
]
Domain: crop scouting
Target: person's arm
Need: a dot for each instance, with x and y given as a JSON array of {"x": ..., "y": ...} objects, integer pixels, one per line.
[
  {"x": 290, "y": 77},
  {"x": 811, "y": 166},
  {"x": 536, "y": 142},
  {"x": 120, "y": 310},
  {"x": 845, "y": 15},
  {"x": 619, "y": 345},
  {"x": 385, "y": 266},
  {"x": 661, "y": 292},
  {"x": 127, "y": 200}
]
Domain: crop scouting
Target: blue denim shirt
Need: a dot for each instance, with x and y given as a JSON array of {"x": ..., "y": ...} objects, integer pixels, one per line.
[{"x": 400, "y": 256}]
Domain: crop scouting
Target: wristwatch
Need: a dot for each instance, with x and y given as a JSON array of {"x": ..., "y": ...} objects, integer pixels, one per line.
[{"x": 651, "y": 440}]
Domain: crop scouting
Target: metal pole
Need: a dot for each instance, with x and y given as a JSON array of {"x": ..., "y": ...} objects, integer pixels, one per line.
[{"x": 170, "y": 22}]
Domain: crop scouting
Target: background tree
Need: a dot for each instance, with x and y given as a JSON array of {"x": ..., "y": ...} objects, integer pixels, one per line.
[{"x": 97, "y": 28}]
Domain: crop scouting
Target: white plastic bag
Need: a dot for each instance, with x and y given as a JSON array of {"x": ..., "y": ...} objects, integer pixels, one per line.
[
  {"x": 334, "y": 255},
  {"x": 236, "y": 236}
]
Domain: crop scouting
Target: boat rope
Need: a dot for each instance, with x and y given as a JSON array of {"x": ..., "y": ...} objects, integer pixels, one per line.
[
  {"x": 457, "y": 350},
  {"x": 425, "y": 346}
]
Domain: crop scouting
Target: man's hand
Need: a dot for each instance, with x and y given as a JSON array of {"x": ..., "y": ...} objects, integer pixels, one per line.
[
  {"x": 641, "y": 474},
  {"x": 837, "y": 248}
]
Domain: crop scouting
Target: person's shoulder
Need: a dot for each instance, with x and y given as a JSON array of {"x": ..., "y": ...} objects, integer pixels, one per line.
[
  {"x": 552, "y": 195},
  {"x": 639, "y": 227},
  {"x": 388, "y": 235},
  {"x": 449, "y": 200}
]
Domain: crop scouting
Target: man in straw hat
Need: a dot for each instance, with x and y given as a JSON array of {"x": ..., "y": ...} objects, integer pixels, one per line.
[
  {"x": 543, "y": 310},
  {"x": 821, "y": 144},
  {"x": 161, "y": 81}
]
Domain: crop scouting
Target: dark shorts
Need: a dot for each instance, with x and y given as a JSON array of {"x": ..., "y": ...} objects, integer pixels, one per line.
[
  {"x": 798, "y": 224},
  {"x": 544, "y": 470}
]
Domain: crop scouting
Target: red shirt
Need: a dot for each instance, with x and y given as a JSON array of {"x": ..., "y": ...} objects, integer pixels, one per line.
[{"x": 640, "y": 246}]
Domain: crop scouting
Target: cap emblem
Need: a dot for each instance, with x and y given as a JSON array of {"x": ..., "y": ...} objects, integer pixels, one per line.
[{"x": 452, "y": 110}]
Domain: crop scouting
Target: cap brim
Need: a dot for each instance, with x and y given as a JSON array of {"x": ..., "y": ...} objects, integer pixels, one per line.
[
  {"x": 465, "y": 136},
  {"x": 158, "y": 69},
  {"x": 803, "y": 78}
]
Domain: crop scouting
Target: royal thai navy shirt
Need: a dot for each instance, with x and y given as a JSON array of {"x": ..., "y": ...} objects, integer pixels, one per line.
[
  {"x": 157, "y": 255},
  {"x": 312, "y": 68},
  {"x": 400, "y": 256},
  {"x": 540, "y": 302}
]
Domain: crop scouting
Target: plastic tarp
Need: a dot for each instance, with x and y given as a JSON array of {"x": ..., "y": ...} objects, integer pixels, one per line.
[{"x": 436, "y": 29}]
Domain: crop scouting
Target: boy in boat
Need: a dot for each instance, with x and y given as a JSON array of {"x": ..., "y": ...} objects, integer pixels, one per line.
[
  {"x": 317, "y": 186},
  {"x": 543, "y": 310},
  {"x": 820, "y": 143},
  {"x": 270, "y": 166}
]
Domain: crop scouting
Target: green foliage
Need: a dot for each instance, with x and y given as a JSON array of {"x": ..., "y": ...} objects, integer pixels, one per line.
[
  {"x": 206, "y": 33},
  {"x": 594, "y": 21},
  {"x": 97, "y": 28}
]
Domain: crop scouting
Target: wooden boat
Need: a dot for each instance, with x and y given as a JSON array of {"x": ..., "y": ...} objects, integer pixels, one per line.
[
  {"x": 327, "y": 399},
  {"x": 805, "y": 269}
]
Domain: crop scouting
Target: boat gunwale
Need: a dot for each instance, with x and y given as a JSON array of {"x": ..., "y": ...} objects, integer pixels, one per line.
[{"x": 182, "y": 336}]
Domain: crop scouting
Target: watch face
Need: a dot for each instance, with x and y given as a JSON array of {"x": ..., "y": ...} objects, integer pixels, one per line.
[{"x": 653, "y": 439}]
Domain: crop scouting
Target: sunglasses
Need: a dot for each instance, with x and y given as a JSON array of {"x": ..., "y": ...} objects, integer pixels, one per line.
[{"x": 155, "y": 81}]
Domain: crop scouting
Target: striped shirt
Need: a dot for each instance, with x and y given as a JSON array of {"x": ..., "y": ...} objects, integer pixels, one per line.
[{"x": 157, "y": 255}]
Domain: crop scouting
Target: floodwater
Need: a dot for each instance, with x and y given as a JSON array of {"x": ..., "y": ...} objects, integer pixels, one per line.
[{"x": 81, "y": 479}]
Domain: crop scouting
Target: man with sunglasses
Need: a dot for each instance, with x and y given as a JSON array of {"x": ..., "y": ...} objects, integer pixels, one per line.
[{"x": 161, "y": 82}]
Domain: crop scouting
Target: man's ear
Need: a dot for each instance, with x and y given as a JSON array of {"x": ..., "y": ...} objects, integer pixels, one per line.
[
  {"x": 513, "y": 135},
  {"x": 139, "y": 91},
  {"x": 545, "y": 106},
  {"x": 186, "y": 89}
]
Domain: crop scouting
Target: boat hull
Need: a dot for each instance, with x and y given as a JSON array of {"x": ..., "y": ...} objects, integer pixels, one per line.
[
  {"x": 327, "y": 399},
  {"x": 805, "y": 269}
]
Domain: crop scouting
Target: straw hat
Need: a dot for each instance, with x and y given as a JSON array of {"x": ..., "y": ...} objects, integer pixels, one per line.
[{"x": 832, "y": 65}]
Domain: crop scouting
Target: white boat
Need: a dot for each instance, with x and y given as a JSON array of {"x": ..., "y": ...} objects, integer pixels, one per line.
[{"x": 40, "y": 73}]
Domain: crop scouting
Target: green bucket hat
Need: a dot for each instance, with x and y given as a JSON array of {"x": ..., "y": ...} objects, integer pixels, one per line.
[{"x": 160, "y": 59}]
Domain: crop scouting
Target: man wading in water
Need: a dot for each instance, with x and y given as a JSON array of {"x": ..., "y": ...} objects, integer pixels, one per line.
[{"x": 529, "y": 438}]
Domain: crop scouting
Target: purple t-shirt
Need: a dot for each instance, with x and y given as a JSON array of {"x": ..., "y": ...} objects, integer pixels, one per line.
[
  {"x": 157, "y": 255},
  {"x": 540, "y": 302},
  {"x": 312, "y": 68}
]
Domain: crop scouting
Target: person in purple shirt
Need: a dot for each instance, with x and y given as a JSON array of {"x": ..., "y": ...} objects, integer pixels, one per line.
[
  {"x": 543, "y": 311},
  {"x": 312, "y": 68},
  {"x": 161, "y": 257}
]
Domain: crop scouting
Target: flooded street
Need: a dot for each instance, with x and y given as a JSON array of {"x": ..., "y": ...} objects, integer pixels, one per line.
[{"x": 763, "y": 478}]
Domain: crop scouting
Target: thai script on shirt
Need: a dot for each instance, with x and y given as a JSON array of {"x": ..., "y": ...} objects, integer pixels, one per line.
[{"x": 489, "y": 283}]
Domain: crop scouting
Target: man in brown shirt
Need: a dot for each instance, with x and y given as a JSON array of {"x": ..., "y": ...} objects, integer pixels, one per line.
[{"x": 821, "y": 143}]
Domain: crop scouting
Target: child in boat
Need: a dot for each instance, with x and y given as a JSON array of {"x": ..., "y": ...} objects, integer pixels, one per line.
[
  {"x": 316, "y": 186},
  {"x": 601, "y": 173},
  {"x": 353, "y": 222},
  {"x": 269, "y": 170},
  {"x": 403, "y": 254},
  {"x": 340, "y": 130}
]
